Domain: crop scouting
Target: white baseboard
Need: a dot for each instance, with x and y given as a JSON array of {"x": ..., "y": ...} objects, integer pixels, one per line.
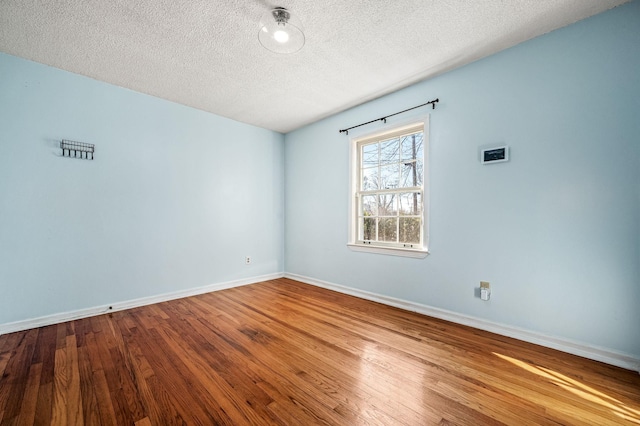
[
  {"x": 565, "y": 345},
  {"x": 128, "y": 304}
]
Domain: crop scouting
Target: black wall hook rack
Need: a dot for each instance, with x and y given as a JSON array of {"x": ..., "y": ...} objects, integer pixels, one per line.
[
  {"x": 79, "y": 149},
  {"x": 384, "y": 119}
]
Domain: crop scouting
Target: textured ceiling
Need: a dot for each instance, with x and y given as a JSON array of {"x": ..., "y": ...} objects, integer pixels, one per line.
[{"x": 206, "y": 54}]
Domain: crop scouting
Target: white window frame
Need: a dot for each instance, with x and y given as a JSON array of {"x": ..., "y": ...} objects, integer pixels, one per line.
[{"x": 381, "y": 133}]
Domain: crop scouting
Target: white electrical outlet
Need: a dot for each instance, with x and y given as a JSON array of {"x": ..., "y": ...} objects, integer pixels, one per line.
[
  {"x": 485, "y": 293},
  {"x": 247, "y": 260},
  {"x": 485, "y": 290}
]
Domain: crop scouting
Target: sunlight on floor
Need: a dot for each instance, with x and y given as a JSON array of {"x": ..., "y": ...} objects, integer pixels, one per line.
[
  {"x": 374, "y": 370},
  {"x": 619, "y": 408}
]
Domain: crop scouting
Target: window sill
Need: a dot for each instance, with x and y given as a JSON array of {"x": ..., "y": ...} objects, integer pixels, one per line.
[{"x": 390, "y": 251}]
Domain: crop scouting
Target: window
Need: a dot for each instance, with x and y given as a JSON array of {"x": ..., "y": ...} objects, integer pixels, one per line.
[{"x": 388, "y": 191}]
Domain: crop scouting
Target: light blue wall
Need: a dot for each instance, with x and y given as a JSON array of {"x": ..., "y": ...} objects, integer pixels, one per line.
[
  {"x": 174, "y": 199},
  {"x": 556, "y": 230}
]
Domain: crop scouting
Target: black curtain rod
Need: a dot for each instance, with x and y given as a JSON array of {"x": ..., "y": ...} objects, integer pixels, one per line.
[{"x": 432, "y": 103}]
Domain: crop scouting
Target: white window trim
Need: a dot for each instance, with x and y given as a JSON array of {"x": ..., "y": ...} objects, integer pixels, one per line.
[
  {"x": 388, "y": 128},
  {"x": 391, "y": 251}
]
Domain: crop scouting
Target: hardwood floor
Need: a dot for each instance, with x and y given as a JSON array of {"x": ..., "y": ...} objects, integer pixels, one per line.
[{"x": 283, "y": 352}]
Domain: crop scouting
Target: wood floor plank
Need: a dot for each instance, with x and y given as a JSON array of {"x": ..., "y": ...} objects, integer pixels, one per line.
[
  {"x": 154, "y": 400},
  {"x": 282, "y": 352},
  {"x": 74, "y": 400},
  {"x": 61, "y": 387},
  {"x": 44, "y": 353},
  {"x": 30, "y": 398},
  {"x": 4, "y": 360},
  {"x": 97, "y": 402},
  {"x": 88, "y": 387},
  {"x": 44, "y": 405},
  {"x": 117, "y": 371},
  {"x": 13, "y": 381}
]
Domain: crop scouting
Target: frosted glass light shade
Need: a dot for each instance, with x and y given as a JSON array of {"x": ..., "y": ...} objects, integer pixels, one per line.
[{"x": 279, "y": 32}]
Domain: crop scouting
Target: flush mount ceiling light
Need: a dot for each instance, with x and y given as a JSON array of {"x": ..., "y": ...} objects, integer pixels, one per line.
[{"x": 279, "y": 32}]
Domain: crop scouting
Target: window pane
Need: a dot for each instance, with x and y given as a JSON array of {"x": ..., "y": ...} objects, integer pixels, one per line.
[
  {"x": 368, "y": 228},
  {"x": 410, "y": 230},
  {"x": 412, "y": 153},
  {"x": 389, "y": 151},
  {"x": 370, "y": 155},
  {"x": 389, "y": 176},
  {"x": 410, "y": 204},
  {"x": 412, "y": 147},
  {"x": 387, "y": 205},
  {"x": 369, "y": 205},
  {"x": 411, "y": 174},
  {"x": 370, "y": 179},
  {"x": 387, "y": 229},
  {"x": 420, "y": 171}
]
